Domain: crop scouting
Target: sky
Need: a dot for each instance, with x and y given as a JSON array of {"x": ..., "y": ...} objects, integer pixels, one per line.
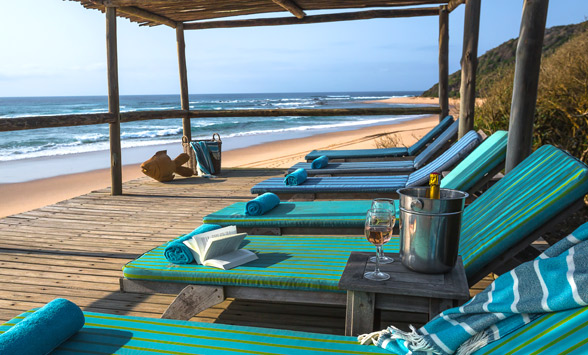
[{"x": 58, "y": 48}]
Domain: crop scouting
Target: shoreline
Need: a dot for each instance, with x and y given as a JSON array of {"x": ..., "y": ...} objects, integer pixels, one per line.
[{"x": 24, "y": 196}]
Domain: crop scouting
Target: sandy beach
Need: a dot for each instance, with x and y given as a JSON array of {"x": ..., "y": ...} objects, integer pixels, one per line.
[{"x": 21, "y": 197}]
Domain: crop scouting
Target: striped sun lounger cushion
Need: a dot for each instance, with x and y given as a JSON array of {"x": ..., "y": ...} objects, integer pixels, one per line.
[
  {"x": 488, "y": 156},
  {"x": 433, "y": 148},
  {"x": 110, "y": 334},
  {"x": 350, "y": 214},
  {"x": 375, "y": 183},
  {"x": 449, "y": 158},
  {"x": 398, "y": 166},
  {"x": 538, "y": 189},
  {"x": 432, "y": 134},
  {"x": 334, "y": 184},
  {"x": 445, "y": 161},
  {"x": 384, "y": 152},
  {"x": 299, "y": 263}
]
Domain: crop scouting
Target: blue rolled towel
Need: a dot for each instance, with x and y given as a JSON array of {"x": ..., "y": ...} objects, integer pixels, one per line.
[
  {"x": 44, "y": 330},
  {"x": 320, "y": 162},
  {"x": 296, "y": 178},
  {"x": 178, "y": 253},
  {"x": 261, "y": 204}
]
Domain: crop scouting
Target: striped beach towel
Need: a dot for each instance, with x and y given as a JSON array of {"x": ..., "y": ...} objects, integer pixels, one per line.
[
  {"x": 205, "y": 167},
  {"x": 557, "y": 280}
]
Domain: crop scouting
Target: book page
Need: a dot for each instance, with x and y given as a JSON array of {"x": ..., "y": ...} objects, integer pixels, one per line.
[
  {"x": 222, "y": 245},
  {"x": 198, "y": 242},
  {"x": 202, "y": 239},
  {"x": 231, "y": 260}
]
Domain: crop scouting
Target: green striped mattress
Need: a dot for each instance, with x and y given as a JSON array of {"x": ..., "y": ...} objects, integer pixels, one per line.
[
  {"x": 533, "y": 193},
  {"x": 297, "y": 263},
  {"x": 109, "y": 334},
  {"x": 529, "y": 196},
  {"x": 555, "y": 333},
  {"x": 336, "y": 214},
  {"x": 351, "y": 214}
]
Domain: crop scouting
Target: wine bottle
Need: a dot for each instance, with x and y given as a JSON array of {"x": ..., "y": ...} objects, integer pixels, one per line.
[{"x": 434, "y": 190}]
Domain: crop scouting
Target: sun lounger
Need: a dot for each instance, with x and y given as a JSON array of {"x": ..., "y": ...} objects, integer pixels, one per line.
[
  {"x": 329, "y": 217},
  {"x": 350, "y": 187},
  {"x": 386, "y": 167},
  {"x": 383, "y": 153},
  {"x": 554, "y": 333},
  {"x": 495, "y": 227}
]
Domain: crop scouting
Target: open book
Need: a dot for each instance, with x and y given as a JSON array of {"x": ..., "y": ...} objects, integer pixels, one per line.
[{"x": 220, "y": 248}]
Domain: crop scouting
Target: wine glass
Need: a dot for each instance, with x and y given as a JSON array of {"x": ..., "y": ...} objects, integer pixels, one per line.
[
  {"x": 385, "y": 204},
  {"x": 378, "y": 230}
]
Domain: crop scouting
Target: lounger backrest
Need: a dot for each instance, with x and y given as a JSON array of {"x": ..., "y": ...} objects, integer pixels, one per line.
[
  {"x": 427, "y": 138},
  {"x": 481, "y": 161},
  {"x": 530, "y": 195},
  {"x": 449, "y": 158},
  {"x": 426, "y": 155}
]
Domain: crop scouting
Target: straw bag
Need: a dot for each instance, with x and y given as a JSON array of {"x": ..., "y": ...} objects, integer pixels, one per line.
[{"x": 214, "y": 146}]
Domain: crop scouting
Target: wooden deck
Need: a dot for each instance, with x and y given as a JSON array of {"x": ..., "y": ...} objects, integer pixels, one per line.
[{"x": 76, "y": 249}]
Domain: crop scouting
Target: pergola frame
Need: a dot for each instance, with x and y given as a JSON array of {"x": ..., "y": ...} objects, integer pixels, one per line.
[{"x": 187, "y": 15}]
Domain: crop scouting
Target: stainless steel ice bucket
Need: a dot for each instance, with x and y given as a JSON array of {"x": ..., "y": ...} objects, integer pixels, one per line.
[{"x": 429, "y": 229}]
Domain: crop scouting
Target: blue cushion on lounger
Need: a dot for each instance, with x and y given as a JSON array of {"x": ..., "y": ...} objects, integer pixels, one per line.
[
  {"x": 432, "y": 134},
  {"x": 359, "y": 167},
  {"x": 383, "y": 152},
  {"x": 334, "y": 184},
  {"x": 432, "y": 149},
  {"x": 445, "y": 161}
]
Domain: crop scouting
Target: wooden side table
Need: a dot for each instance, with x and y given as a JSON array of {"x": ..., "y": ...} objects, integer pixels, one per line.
[{"x": 406, "y": 290}]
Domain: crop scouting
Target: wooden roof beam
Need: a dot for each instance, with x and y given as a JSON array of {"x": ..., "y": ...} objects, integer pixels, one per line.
[
  {"x": 292, "y": 7},
  {"x": 346, "y": 16},
  {"x": 453, "y": 4},
  {"x": 137, "y": 12},
  {"x": 148, "y": 16}
]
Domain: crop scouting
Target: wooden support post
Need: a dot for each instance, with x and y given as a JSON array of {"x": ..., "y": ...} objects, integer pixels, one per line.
[
  {"x": 526, "y": 80},
  {"x": 113, "y": 102},
  {"x": 192, "y": 300},
  {"x": 183, "y": 80},
  {"x": 443, "y": 61},
  {"x": 469, "y": 64}
]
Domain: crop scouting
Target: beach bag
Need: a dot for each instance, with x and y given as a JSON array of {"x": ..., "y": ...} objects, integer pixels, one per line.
[{"x": 210, "y": 160}]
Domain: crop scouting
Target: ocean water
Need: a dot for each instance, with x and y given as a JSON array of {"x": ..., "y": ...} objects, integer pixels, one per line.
[{"x": 50, "y": 142}]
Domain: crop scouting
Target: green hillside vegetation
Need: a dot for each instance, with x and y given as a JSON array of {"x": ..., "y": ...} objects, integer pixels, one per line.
[
  {"x": 503, "y": 57},
  {"x": 561, "y": 116}
]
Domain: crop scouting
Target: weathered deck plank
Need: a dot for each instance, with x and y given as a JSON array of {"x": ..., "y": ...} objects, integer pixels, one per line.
[{"x": 76, "y": 249}]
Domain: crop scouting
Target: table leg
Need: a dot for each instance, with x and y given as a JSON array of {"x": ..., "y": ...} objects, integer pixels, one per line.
[
  {"x": 438, "y": 305},
  {"x": 359, "y": 317}
]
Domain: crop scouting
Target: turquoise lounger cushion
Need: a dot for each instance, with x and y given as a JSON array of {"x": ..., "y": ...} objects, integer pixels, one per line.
[
  {"x": 489, "y": 155},
  {"x": 384, "y": 152},
  {"x": 445, "y": 161},
  {"x": 432, "y": 149},
  {"x": 315, "y": 214},
  {"x": 110, "y": 334},
  {"x": 334, "y": 184},
  {"x": 432, "y": 134},
  {"x": 359, "y": 153},
  {"x": 538, "y": 189},
  {"x": 363, "y": 167},
  {"x": 286, "y": 262}
]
